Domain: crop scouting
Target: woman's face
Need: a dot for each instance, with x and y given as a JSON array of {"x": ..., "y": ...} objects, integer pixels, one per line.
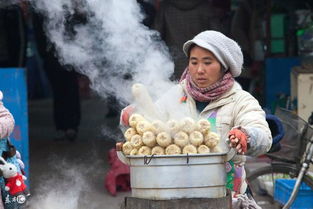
[{"x": 204, "y": 68}]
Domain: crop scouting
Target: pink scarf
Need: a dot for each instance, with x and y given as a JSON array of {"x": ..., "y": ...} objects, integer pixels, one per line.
[{"x": 209, "y": 93}]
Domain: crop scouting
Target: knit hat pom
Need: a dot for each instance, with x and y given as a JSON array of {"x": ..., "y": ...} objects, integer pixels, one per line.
[{"x": 226, "y": 50}]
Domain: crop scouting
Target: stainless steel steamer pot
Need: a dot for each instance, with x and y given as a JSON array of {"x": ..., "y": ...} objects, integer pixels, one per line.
[{"x": 164, "y": 177}]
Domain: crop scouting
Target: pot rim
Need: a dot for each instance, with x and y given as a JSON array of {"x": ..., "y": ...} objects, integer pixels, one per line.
[{"x": 178, "y": 155}]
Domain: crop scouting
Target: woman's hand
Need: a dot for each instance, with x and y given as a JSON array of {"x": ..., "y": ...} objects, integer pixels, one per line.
[
  {"x": 238, "y": 140},
  {"x": 125, "y": 114}
]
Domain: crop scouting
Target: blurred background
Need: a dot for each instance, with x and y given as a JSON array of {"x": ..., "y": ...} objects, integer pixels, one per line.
[{"x": 64, "y": 66}]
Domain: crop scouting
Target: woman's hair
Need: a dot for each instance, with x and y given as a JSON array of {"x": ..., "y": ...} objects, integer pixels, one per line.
[{"x": 189, "y": 50}]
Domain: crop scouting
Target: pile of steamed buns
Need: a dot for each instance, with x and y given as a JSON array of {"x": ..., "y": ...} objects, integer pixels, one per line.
[{"x": 173, "y": 137}]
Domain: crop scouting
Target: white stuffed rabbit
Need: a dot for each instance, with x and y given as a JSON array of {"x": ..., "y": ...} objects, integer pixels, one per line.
[{"x": 14, "y": 181}]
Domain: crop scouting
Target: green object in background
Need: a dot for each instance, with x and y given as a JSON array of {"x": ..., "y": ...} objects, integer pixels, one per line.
[
  {"x": 278, "y": 46},
  {"x": 282, "y": 100},
  {"x": 278, "y": 26},
  {"x": 300, "y": 32}
]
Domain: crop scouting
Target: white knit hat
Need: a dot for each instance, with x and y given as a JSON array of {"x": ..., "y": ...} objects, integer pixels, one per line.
[{"x": 226, "y": 50}]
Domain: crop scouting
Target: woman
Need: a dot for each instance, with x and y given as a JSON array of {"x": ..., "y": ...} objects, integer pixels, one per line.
[
  {"x": 6, "y": 128},
  {"x": 207, "y": 89}
]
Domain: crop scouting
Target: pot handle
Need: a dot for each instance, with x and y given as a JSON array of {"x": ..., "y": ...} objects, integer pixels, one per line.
[
  {"x": 120, "y": 154},
  {"x": 232, "y": 152}
]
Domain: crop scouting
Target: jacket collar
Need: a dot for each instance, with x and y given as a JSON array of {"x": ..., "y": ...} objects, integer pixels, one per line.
[{"x": 223, "y": 100}]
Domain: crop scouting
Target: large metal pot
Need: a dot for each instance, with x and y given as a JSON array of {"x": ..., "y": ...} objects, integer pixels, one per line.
[{"x": 177, "y": 176}]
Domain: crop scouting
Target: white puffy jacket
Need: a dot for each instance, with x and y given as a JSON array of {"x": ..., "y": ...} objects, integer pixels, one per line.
[{"x": 6, "y": 120}]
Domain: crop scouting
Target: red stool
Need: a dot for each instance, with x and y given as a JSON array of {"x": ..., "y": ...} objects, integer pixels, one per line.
[{"x": 118, "y": 177}]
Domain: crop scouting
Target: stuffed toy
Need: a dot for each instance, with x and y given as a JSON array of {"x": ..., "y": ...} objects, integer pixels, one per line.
[{"x": 14, "y": 181}]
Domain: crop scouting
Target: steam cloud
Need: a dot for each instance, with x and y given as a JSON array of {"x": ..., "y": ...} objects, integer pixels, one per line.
[
  {"x": 110, "y": 45},
  {"x": 63, "y": 188}
]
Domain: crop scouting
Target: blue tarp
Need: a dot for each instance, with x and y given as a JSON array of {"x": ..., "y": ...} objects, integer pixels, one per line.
[
  {"x": 14, "y": 89},
  {"x": 277, "y": 78}
]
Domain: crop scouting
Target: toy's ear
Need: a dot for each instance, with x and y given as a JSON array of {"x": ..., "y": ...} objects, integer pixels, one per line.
[
  {"x": 1, "y": 170},
  {"x": 2, "y": 161}
]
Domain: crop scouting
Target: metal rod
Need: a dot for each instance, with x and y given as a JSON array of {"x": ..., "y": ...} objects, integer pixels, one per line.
[{"x": 303, "y": 170}]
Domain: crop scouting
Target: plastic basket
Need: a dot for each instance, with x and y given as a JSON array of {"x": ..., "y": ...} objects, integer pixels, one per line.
[{"x": 283, "y": 190}]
